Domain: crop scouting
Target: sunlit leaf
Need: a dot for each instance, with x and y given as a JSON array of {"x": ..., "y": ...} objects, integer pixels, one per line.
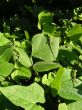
[
  {"x": 40, "y": 48},
  {"x": 25, "y": 97},
  {"x": 45, "y": 66}
]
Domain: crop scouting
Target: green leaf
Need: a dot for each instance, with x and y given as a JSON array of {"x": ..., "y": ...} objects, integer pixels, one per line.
[
  {"x": 3, "y": 40},
  {"x": 44, "y": 66},
  {"x": 62, "y": 106},
  {"x": 67, "y": 55},
  {"x": 77, "y": 105},
  {"x": 56, "y": 84},
  {"x": 75, "y": 33},
  {"x": 40, "y": 48},
  {"x": 4, "y": 47},
  {"x": 54, "y": 44},
  {"x": 25, "y": 97},
  {"x": 23, "y": 57},
  {"x": 26, "y": 35},
  {"x": 5, "y": 68},
  {"x": 7, "y": 54},
  {"x": 2, "y": 78},
  {"x": 5, "y": 104},
  {"x": 64, "y": 86},
  {"x": 44, "y": 17},
  {"x": 21, "y": 73},
  {"x": 49, "y": 29},
  {"x": 6, "y": 83},
  {"x": 47, "y": 79}
]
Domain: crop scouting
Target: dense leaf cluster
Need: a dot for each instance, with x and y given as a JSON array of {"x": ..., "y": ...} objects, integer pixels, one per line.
[{"x": 40, "y": 55}]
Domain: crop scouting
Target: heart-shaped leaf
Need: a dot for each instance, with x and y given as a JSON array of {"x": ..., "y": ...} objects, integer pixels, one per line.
[
  {"x": 25, "y": 97},
  {"x": 40, "y": 48}
]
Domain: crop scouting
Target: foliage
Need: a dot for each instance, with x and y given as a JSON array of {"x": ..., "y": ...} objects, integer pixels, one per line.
[{"x": 40, "y": 56}]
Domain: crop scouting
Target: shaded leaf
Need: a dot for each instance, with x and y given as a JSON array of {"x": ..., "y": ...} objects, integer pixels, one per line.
[
  {"x": 44, "y": 17},
  {"x": 75, "y": 33},
  {"x": 5, "y": 104},
  {"x": 7, "y": 54},
  {"x": 49, "y": 29},
  {"x": 21, "y": 73}
]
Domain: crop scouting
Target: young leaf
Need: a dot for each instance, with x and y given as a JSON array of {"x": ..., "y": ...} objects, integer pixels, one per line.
[
  {"x": 25, "y": 97},
  {"x": 47, "y": 79},
  {"x": 40, "y": 48},
  {"x": 26, "y": 35},
  {"x": 45, "y": 66}
]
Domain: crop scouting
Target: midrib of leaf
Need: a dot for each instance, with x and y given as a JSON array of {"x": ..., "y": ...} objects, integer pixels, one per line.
[{"x": 39, "y": 42}]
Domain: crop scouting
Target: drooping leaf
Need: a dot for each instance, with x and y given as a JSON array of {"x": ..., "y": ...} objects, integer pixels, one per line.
[
  {"x": 23, "y": 57},
  {"x": 25, "y": 97},
  {"x": 62, "y": 106},
  {"x": 45, "y": 66},
  {"x": 40, "y": 48}
]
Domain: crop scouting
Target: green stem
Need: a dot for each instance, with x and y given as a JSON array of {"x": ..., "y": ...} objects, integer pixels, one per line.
[{"x": 76, "y": 48}]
